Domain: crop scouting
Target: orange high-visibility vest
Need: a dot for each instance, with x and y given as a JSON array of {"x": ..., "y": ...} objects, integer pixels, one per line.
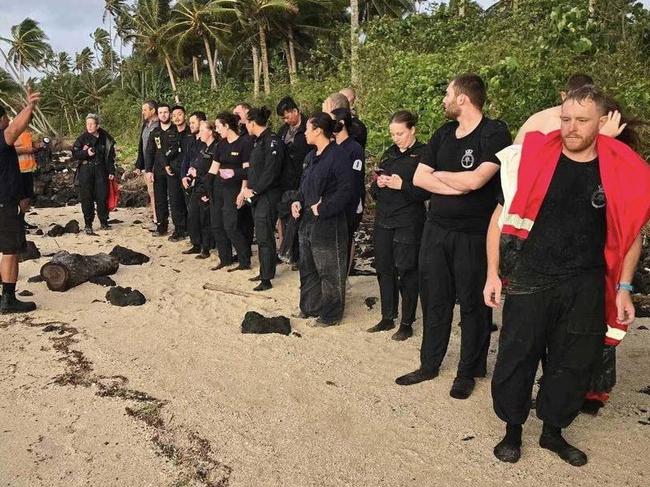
[{"x": 27, "y": 161}]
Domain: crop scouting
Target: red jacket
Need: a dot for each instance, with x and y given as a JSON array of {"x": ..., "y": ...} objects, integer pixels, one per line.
[{"x": 625, "y": 178}]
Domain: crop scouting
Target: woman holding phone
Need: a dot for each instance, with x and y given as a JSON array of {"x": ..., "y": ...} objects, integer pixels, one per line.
[{"x": 399, "y": 221}]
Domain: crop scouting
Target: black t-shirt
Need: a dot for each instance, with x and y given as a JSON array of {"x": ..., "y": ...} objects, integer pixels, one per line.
[
  {"x": 470, "y": 212},
  {"x": 11, "y": 186},
  {"x": 568, "y": 237},
  {"x": 233, "y": 156}
]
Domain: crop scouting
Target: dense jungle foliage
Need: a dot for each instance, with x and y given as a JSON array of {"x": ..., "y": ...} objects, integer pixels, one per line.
[{"x": 212, "y": 55}]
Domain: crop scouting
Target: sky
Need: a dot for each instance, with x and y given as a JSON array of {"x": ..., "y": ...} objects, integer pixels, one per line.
[{"x": 69, "y": 23}]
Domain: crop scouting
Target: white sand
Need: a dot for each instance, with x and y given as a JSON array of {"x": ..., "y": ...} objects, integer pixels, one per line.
[{"x": 249, "y": 410}]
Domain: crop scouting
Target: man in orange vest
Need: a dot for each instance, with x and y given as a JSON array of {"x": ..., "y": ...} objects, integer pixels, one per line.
[{"x": 27, "y": 150}]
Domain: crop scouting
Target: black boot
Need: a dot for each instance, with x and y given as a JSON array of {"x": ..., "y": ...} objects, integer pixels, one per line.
[
  {"x": 509, "y": 449},
  {"x": 551, "y": 439},
  {"x": 264, "y": 285},
  {"x": 9, "y": 304},
  {"x": 104, "y": 226},
  {"x": 194, "y": 249},
  {"x": 240, "y": 267},
  {"x": 205, "y": 254},
  {"x": 383, "y": 325},
  {"x": 221, "y": 265},
  {"x": 256, "y": 278},
  {"x": 417, "y": 376},
  {"x": 403, "y": 332},
  {"x": 462, "y": 387},
  {"x": 89, "y": 230}
]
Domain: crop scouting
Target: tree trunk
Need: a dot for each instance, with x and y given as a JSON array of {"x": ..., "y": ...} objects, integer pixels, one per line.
[
  {"x": 171, "y": 77},
  {"x": 195, "y": 69},
  {"x": 354, "y": 42},
  {"x": 265, "y": 60},
  {"x": 461, "y": 7},
  {"x": 256, "y": 71},
  {"x": 208, "y": 53},
  {"x": 293, "y": 67},
  {"x": 67, "y": 270},
  {"x": 287, "y": 55}
]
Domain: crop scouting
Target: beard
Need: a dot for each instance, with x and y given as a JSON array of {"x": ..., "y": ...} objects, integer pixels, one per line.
[
  {"x": 452, "y": 112},
  {"x": 578, "y": 144}
]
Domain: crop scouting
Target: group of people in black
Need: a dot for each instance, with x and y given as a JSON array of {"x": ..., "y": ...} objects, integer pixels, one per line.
[{"x": 445, "y": 219}]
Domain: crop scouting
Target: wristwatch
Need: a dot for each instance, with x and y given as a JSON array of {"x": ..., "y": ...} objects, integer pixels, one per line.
[{"x": 625, "y": 286}]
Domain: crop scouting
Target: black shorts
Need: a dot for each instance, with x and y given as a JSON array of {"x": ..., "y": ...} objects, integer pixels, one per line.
[
  {"x": 12, "y": 229},
  {"x": 28, "y": 184}
]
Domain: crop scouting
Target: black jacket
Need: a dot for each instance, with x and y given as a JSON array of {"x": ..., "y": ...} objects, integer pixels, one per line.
[
  {"x": 164, "y": 149},
  {"x": 295, "y": 154},
  {"x": 267, "y": 159},
  {"x": 327, "y": 177},
  {"x": 405, "y": 207},
  {"x": 358, "y": 131},
  {"x": 190, "y": 146},
  {"x": 104, "y": 146}
]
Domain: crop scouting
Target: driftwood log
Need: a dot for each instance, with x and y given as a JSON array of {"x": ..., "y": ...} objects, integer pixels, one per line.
[{"x": 67, "y": 270}]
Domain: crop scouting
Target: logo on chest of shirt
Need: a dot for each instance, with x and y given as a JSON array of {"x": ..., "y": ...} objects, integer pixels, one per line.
[
  {"x": 598, "y": 199},
  {"x": 467, "y": 161},
  {"x": 234, "y": 154}
]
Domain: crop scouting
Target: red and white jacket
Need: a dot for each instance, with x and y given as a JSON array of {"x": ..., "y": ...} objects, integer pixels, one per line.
[{"x": 526, "y": 173}]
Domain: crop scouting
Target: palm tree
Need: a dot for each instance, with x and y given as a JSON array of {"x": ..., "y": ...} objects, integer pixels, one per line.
[
  {"x": 101, "y": 41},
  {"x": 63, "y": 62},
  {"x": 112, "y": 9},
  {"x": 257, "y": 15},
  {"x": 205, "y": 21},
  {"x": 354, "y": 42},
  {"x": 394, "y": 8},
  {"x": 84, "y": 60},
  {"x": 150, "y": 34},
  {"x": 28, "y": 46},
  {"x": 7, "y": 85}
]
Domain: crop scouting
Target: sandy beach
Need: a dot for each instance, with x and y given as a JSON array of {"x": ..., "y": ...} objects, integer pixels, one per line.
[{"x": 171, "y": 393}]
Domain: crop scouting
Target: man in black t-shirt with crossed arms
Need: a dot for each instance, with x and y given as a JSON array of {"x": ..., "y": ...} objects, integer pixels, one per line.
[{"x": 461, "y": 178}]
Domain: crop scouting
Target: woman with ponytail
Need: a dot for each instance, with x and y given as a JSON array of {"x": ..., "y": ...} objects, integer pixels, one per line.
[
  {"x": 324, "y": 195},
  {"x": 357, "y": 159}
]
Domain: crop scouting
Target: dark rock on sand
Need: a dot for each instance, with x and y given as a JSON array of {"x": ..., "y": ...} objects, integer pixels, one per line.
[
  {"x": 35, "y": 279},
  {"x": 102, "y": 281},
  {"x": 56, "y": 231},
  {"x": 370, "y": 302},
  {"x": 256, "y": 323},
  {"x": 121, "y": 296},
  {"x": 31, "y": 252},
  {"x": 72, "y": 227},
  {"x": 127, "y": 256}
]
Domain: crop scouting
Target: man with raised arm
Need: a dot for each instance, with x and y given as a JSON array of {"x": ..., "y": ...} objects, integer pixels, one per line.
[{"x": 12, "y": 225}]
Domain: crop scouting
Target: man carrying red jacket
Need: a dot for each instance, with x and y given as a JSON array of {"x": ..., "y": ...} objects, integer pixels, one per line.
[{"x": 566, "y": 240}]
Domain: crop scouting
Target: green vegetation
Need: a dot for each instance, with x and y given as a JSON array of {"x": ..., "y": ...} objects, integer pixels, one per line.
[{"x": 212, "y": 54}]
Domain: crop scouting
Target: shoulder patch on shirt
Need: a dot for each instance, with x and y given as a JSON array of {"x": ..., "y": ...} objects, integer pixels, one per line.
[{"x": 357, "y": 165}]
